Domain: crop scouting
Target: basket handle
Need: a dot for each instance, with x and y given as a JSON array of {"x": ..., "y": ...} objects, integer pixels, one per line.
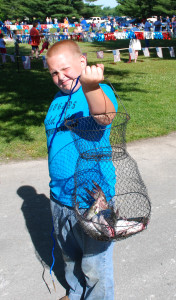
[
  {"x": 106, "y": 79},
  {"x": 72, "y": 89}
]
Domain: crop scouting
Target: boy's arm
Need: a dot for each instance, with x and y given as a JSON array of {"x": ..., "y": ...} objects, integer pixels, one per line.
[{"x": 100, "y": 106}]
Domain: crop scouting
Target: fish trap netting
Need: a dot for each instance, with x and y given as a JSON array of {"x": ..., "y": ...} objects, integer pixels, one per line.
[
  {"x": 110, "y": 198},
  {"x": 93, "y": 140}
]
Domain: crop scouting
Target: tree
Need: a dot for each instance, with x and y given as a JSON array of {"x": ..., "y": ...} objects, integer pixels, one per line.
[
  {"x": 65, "y": 8},
  {"x": 19, "y": 9},
  {"x": 11, "y": 9},
  {"x": 90, "y": 1},
  {"x": 145, "y": 8},
  {"x": 91, "y": 10},
  {"x": 78, "y": 6},
  {"x": 163, "y": 7},
  {"x": 2, "y": 13},
  {"x": 108, "y": 11},
  {"x": 135, "y": 8},
  {"x": 38, "y": 9}
]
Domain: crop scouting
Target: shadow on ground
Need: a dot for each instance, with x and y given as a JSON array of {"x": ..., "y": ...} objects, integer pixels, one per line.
[{"x": 37, "y": 214}]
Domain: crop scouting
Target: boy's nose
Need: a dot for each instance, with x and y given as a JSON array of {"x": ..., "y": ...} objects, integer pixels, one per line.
[{"x": 60, "y": 76}]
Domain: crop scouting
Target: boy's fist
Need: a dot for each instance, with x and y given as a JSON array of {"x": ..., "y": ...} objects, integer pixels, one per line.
[{"x": 92, "y": 76}]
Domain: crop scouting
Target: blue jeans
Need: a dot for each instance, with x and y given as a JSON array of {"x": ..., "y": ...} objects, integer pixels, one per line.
[{"x": 88, "y": 262}]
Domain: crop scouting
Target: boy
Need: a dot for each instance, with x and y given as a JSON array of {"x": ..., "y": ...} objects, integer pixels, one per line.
[
  {"x": 45, "y": 45},
  {"x": 88, "y": 262}
]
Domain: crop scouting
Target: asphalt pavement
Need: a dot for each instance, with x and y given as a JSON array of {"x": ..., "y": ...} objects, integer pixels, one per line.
[{"x": 144, "y": 265}]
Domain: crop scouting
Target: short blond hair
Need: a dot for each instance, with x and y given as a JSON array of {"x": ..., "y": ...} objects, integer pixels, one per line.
[{"x": 62, "y": 46}]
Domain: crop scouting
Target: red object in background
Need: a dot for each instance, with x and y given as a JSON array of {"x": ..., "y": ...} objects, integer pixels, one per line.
[
  {"x": 75, "y": 37},
  {"x": 109, "y": 36},
  {"x": 79, "y": 37},
  {"x": 113, "y": 37},
  {"x": 105, "y": 35},
  {"x": 166, "y": 36},
  {"x": 44, "y": 26},
  {"x": 3, "y": 50},
  {"x": 139, "y": 35},
  {"x": 26, "y": 27},
  {"x": 44, "y": 46}
]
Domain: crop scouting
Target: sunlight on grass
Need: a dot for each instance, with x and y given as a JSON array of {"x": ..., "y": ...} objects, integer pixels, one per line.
[{"x": 147, "y": 90}]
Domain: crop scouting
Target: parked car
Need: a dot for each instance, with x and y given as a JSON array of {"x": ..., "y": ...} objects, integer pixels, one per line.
[
  {"x": 95, "y": 20},
  {"x": 152, "y": 19}
]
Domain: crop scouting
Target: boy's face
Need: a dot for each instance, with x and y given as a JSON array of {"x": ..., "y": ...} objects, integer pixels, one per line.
[{"x": 64, "y": 68}]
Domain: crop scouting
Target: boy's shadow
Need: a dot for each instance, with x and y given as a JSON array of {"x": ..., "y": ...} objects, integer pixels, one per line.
[{"x": 37, "y": 214}]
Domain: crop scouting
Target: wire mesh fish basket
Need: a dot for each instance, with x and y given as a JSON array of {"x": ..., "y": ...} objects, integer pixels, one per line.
[
  {"x": 94, "y": 141},
  {"x": 110, "y": 199}
]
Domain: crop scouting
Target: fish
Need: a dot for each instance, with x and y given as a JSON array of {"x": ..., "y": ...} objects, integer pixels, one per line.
[
  {"x": 87, "y": 225},
  {"x": 127, "y": 227},
  {"x": 101, "y": 224},
  {"x": 102, "y": 220},
  {"x": 99, "y": 214},
  {"x": 100, "y": 202}
]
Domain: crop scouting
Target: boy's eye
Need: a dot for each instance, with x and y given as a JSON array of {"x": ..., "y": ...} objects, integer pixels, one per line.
[{"x": 54, "y": 74}]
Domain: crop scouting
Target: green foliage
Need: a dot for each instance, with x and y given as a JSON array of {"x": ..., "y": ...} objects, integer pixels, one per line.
[
  {"x": 60, "y": 9},
  {"x": 108, "y": 11},
  {"x": 90, "y": 1},
  {"x": 78, "y": 5},
  {"x": 145, "y": 8},
  {"x": 91, "y": 10},
  {"x": 17, "y": 9},
  {"x": 71, "y": 8},
  {"x": 163, "y": 7},
  {"x": 2, "y": 16},
  {"x": 38, "y": 9}
]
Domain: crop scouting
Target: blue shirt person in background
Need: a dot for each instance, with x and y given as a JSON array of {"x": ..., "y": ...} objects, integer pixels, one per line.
[
  {"x": 168, "y": 23},
  {"x": 157, "y": 25},
  {"x": 147, "y": 28},
  {"x": 88, "y": 262}
]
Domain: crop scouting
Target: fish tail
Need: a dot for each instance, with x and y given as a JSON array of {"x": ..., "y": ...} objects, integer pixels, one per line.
[{"x": 92, "y": 194}]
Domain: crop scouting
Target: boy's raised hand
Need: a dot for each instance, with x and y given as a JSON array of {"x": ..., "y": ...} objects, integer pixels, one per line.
[
  {"x": 100, "y": 106},
  {"x": 92, "y": 76}
]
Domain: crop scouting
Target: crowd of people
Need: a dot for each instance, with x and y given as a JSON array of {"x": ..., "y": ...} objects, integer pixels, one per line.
[
  {"x": 111, "y": 23},
  {"x": 39, "y": 36}
]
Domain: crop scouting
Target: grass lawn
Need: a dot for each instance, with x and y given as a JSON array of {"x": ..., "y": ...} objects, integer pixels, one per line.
[{"x": 147, "y": 90}]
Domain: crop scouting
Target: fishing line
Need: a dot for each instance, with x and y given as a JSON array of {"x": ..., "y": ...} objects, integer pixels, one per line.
[
  {"x": 55, "y": 131},
  {"x": 53, "y": 255},
  {"x": 52, "y": 233}
]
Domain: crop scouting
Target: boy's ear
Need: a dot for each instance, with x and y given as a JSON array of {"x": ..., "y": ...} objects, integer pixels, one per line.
[{"x": 83, "y": 61}]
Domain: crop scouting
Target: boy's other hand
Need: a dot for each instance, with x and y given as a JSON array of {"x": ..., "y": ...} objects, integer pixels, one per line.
[{"x": 92, "y": 76}]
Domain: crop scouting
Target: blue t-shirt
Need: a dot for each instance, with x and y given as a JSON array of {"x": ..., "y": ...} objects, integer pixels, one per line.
[
  {"x": 147, "y": 26},
  {"x": 157, "y": 25},
  {"x": 69, "y": 172}
]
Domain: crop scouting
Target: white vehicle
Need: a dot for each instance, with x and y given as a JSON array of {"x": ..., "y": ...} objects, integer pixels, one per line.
[
  {"x": 95, "y": 20},
  {"x": 152, "y": 19}
]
